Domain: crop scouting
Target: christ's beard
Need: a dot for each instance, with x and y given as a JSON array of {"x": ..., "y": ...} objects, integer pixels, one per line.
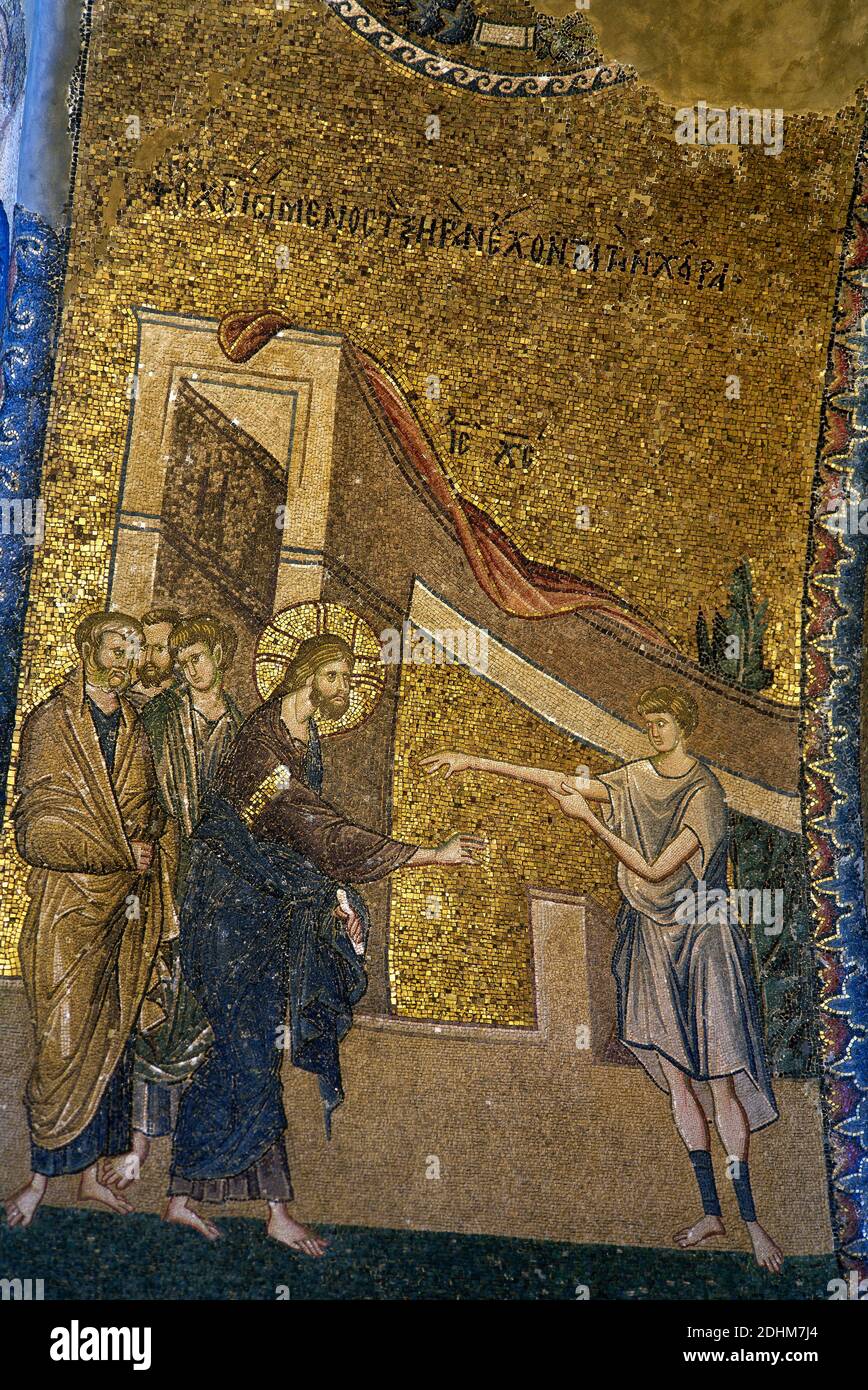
[{"x": 333, "y": 708}]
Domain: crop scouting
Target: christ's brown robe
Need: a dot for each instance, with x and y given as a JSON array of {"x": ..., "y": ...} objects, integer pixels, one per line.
[
  {"x": 236, "y": 945},
  {"x": 288, "y": 810},
  {"x": 90, "y": 940}
]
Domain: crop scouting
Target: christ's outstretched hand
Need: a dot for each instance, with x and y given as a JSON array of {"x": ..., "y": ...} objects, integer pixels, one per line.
[
  {"x": 460, "y": 849},
  {"x": 446, "y": 762},
  {"x": 351, "y": 921}
]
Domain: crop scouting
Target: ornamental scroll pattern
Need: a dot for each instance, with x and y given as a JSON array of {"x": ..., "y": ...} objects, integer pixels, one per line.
[
  {"x": 832, "y": 678},
  {"x": 469, "y": 79}
]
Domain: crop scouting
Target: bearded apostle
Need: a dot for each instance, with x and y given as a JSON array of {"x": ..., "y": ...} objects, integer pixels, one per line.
[
  {"x": 87, "y": 821},
  {"x": 154, "y": 671}
]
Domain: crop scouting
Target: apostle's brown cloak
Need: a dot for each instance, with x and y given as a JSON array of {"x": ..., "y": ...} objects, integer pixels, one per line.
[{"x": 87, "y": 960}]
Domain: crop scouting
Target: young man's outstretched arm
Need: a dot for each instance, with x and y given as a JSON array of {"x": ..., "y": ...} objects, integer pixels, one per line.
[{"x": 546, "y": 779}]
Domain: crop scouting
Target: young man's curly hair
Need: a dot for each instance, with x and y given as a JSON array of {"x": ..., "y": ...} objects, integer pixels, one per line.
[
  {"x": 204, "y": 627},
  {"x": 668, "y": 699}
]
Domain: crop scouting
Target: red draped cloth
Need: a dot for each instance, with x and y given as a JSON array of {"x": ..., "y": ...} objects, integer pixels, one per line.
[{"x": 518, "y": 585}]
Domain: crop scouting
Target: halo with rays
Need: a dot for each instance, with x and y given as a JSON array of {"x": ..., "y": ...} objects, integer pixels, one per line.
[{"x": 284, "y": 635}]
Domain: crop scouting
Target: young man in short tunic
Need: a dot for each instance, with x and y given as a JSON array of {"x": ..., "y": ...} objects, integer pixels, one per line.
[{"x": 687, "y": 1003}]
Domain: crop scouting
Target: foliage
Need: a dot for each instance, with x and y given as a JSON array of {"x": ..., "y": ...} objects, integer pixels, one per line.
[
  {"x": 734, "y": 650},
  {"x": 765, "y": 857}
]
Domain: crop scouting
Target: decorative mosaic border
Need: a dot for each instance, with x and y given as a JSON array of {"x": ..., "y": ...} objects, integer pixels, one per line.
[
  {"x": 492, "y": 84},
  {"x": 833, "y": 625},
  {"x": 832, "y": 668},
  {"x": 31, "y": 325},
  {"x": 26, "y": 366}
]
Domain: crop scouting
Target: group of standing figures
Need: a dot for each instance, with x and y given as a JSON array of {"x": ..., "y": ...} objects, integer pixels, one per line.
[{"x": 191, "y": 889}]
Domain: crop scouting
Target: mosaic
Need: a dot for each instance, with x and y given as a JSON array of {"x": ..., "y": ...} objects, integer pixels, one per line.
[{"x": 432, "y": 584}]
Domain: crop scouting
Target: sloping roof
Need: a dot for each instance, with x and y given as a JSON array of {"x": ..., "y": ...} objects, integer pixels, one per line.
[{"x": 522, "y": 587}]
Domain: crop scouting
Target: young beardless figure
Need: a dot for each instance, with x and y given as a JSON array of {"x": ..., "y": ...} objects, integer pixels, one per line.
[{"x": 686, "y": 999}]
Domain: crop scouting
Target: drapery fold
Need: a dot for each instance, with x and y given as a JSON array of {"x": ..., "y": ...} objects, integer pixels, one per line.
[{"x": 522, "y": 587}]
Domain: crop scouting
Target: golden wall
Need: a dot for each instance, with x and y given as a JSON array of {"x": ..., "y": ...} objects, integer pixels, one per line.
[{"x": 612, "y": 379}]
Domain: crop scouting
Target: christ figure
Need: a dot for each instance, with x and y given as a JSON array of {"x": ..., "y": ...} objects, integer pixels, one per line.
[{"x": 272, "y": 926}]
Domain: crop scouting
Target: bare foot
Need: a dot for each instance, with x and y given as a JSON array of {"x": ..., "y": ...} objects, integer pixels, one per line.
[
  {"x": 281, "y": 1227},
  {"x": 693, "y": 1235},
  {"x": 21, "y": 1207},
  {"x": 90, "y": 1189},
  {"x": 768, "y": 1255},
  {"x": 182, "y": 1215}
]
